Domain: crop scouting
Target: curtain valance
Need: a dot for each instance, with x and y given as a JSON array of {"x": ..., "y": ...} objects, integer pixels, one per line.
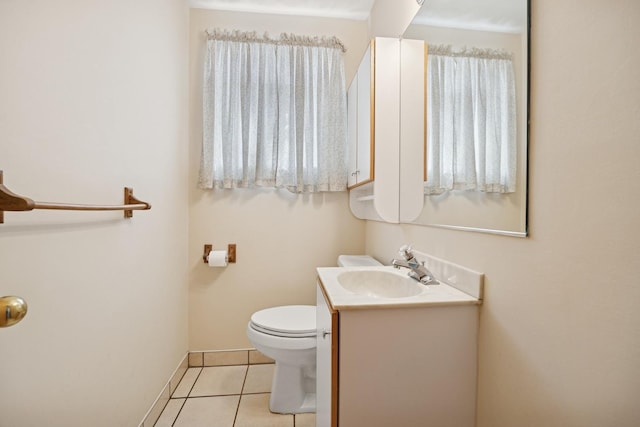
[{"x": 284, "y": 39}]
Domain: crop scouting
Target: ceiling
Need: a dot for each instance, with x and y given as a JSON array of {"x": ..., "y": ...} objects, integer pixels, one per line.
[
  {"x": 508, "y": 16},
  {"x": 488, "y": 15},
  {"x": 348, "y": 9}
]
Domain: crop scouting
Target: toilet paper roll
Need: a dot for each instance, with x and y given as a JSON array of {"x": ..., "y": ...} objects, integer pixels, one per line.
[{"x": 217, "y": 259}]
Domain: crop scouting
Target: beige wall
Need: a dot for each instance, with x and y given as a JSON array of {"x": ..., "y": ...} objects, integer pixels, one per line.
[
  {"x": 560, "y": 324},
  {"x": 281, "y": 237},
  {"x": 94, "y": 98}
]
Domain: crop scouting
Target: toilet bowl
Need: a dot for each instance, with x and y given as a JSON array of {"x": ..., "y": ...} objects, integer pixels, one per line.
[{"x": 287, "y": 334}]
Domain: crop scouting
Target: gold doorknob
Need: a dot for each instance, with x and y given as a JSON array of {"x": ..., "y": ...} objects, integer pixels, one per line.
[{"x": 12, "y": 310}]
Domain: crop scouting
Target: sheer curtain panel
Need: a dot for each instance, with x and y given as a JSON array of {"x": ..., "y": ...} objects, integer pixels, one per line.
[
  {"x": 471, "y": 121},
  {"x": 274, "y": 113}
]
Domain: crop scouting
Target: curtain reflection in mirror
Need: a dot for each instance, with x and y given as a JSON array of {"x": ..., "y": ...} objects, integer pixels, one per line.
[{"x": 471, "y": 120}]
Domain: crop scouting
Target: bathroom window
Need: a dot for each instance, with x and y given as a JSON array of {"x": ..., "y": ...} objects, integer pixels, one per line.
[
  {"x": 471, "y": 121},
  {"x": 274, "y": 113}
]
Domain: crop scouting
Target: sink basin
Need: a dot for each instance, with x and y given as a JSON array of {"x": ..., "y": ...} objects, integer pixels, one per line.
[{"x": 381, "y": 284}]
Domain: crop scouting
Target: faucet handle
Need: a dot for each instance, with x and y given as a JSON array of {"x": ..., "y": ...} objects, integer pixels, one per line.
[{"x": 405, "y": 251}]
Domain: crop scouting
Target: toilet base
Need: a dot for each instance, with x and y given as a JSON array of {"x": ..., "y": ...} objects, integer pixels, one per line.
[
  {"x": 293, "y": 389},
  {"x": 308, "y": 406}
]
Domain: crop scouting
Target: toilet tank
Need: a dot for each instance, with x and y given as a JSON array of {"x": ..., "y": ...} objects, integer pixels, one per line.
[{"x": 357, "y": 261}]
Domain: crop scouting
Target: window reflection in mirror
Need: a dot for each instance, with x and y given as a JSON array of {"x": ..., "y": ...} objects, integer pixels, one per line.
[{"x": 489, "y": 25}]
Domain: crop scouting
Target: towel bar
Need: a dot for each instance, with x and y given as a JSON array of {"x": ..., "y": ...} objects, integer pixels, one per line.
[{"x": 10, "y": 201}]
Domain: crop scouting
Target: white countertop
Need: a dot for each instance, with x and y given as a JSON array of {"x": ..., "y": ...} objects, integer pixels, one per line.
[{"x": 432, "y": 295}]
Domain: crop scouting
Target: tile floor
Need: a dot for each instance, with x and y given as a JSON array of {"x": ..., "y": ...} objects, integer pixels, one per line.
[{"x": 227, "y": 396}]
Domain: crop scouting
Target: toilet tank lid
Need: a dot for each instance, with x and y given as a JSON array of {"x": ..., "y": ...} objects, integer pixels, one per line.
[{"x": 357, "y": 261}]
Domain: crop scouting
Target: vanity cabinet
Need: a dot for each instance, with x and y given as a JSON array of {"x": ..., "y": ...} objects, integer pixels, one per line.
[
  {"x": 393, "y": 365},
  {"x": 326, "y": 362}
]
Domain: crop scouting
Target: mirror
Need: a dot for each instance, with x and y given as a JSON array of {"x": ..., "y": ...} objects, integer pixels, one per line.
[{"x": 484, "y": 24}]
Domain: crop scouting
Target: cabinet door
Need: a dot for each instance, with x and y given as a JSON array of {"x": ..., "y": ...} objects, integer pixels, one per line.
[
  {"x": 326, "y": 362},
  {"x": 360, "y": 108},
  {"x": 386, "y": 186},
  {"x": 413, "y": 133},
  {"x": 352, "y": 131},
  {"x": 365, "y": 118}
]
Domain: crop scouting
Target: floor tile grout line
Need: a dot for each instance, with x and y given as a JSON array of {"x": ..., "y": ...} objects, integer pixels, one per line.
[
  {"x": 194, "y": 382},
  {"x": 246, "y": 374},
  {"x": 206, "y": 396},
  {"x": 251, "y": 393},
  {"x": 180, "y": 410},
  {"x": 244, "y": 381},
  {"x": 186, "y": 397},
  {"x": 171, "y": 392}
]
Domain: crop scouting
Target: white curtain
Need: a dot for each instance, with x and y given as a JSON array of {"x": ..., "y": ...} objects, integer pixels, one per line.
[
  {"x": 274, "y": 113},
  {"x": 471, "y": 121}
]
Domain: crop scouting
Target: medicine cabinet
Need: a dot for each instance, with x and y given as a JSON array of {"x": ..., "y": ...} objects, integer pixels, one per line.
[{"x": 376, "y": 130}]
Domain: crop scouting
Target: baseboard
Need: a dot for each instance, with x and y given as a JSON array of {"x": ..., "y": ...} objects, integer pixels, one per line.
[{"x": 161, "y": 401}]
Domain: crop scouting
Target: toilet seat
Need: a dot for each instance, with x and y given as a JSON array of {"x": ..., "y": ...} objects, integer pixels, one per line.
[{"x": 292, "y": 321}]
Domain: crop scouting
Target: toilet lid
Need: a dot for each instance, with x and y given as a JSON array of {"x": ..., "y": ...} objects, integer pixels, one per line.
[{"x": 286, "y": 321}]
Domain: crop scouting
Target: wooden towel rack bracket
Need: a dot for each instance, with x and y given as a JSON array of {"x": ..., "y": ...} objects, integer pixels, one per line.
[{"x": 10, "y": 201}]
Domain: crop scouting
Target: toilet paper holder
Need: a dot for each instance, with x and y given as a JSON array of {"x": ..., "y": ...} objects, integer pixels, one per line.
[{"x": 231, "y": 253}]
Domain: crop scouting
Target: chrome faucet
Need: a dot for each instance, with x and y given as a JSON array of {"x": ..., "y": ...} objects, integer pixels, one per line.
[{"x": 417, "y": 269}]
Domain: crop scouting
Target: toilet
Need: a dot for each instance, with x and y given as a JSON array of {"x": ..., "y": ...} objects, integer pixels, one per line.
[{"x": 287, "y": 334}]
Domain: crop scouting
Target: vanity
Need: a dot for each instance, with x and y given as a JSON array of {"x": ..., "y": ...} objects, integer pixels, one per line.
[{"x": 392, "y": 351}]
